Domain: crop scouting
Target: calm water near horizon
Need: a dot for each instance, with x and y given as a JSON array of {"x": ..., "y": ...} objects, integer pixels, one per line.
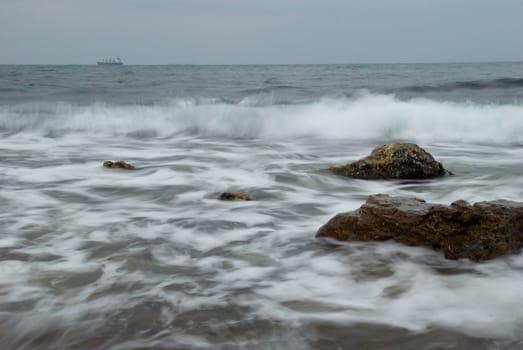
[{"x": 97, "y": 258}]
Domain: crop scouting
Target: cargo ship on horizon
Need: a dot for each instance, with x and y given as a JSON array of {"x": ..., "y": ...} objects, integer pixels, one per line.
[{"x": 110, "y": 62}]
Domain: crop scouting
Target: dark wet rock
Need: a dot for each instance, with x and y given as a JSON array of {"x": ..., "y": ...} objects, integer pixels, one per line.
[
  {"x": 234, "y": 196},
  {"x": 482, "y": 231},
  {"x": 118, "y": 165},
  {"x": 393, "y": 161}
]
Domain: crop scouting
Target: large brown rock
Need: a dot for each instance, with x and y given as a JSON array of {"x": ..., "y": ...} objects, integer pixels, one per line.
[
  {"x": 481, "y": 231},
  {"x": 393, "y": 161}
]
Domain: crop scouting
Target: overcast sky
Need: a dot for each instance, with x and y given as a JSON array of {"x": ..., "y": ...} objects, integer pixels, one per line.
[{"x": 260, "y": 31}]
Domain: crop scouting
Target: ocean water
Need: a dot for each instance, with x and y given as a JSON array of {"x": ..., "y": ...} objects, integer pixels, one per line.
[{"x": 97, "y": 258}]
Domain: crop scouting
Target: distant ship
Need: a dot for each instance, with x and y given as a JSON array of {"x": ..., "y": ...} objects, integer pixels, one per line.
[{"x": 110, "y": 62}]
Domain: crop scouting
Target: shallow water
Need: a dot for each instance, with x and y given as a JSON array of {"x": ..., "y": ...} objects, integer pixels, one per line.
[{"x": 92, "y": 257}]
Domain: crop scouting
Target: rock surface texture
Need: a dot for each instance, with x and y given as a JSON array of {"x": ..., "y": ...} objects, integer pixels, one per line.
[
  {"x": 118, "y": 165},
  {"x": 393, "y": 161},
  {"x": 234, "y": 196},
  {"x": 482, "y": 231}
]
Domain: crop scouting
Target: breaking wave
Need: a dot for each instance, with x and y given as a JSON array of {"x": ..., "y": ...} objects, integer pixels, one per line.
[{"x": 369, "y": 116}]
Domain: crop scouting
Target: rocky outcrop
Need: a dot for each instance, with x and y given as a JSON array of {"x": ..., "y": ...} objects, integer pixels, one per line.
[
  {"x": 477, "y": 232},
  {"x": 118, "y": 165},
  {"x": 393, "y": 161},
  {"x": 234, "y": 196}
]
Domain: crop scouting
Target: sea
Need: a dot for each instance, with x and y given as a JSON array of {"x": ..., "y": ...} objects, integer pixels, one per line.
[{"x": 99, "y": 258}]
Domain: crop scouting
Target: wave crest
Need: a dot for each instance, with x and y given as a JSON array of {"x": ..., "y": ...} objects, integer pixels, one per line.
[{"x": 368, "y": 116}]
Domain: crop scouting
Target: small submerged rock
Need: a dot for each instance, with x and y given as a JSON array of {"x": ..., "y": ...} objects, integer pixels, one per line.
[
  {"x": 393, "y": 161},
  {"x": 234, "y": 196},
  {"x": 118, "y": 165},
  {"x": 482, "y": 231}
]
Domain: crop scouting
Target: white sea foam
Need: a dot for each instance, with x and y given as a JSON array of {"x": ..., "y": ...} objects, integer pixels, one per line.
[
  {"x": 94, "y": 248},
  {"x": 368, "y": 116},
  {"x": 410, "y": 295}
]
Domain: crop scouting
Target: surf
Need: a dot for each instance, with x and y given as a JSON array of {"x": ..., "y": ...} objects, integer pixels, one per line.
[{"x": 369, "y": 116}]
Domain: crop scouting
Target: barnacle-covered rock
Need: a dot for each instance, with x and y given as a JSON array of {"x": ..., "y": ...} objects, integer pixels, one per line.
[{"x": 393, "y": 161}]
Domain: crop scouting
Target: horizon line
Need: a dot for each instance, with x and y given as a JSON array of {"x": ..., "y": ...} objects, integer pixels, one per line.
[{"x": 267, "y": 64}]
